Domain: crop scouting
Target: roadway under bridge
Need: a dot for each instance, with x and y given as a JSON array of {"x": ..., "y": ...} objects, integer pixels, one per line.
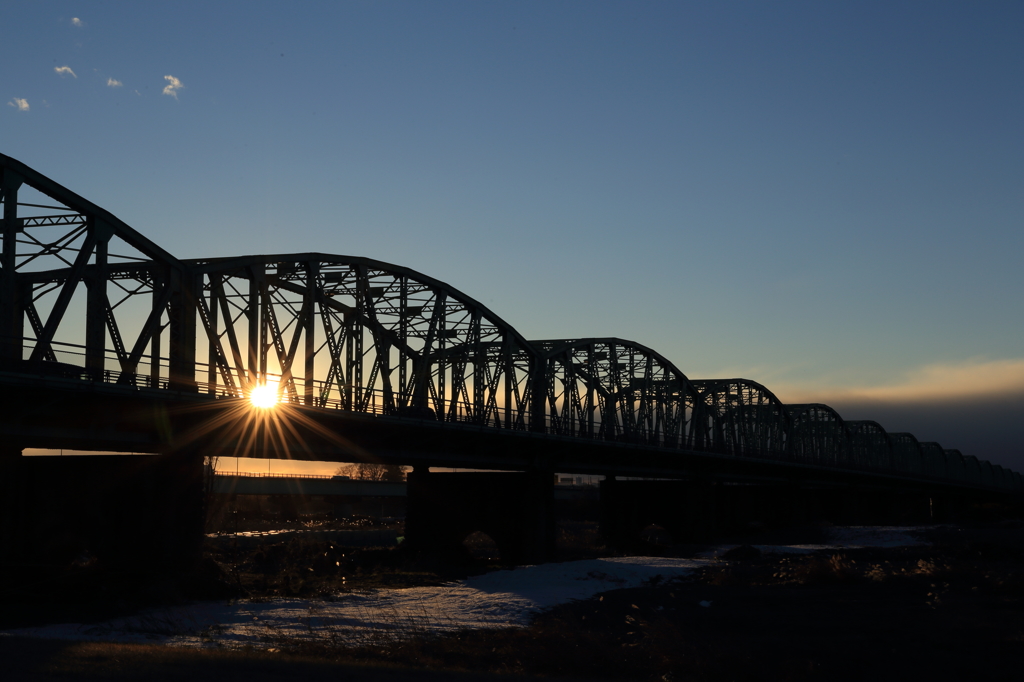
[{"x": 109, "y": 342}]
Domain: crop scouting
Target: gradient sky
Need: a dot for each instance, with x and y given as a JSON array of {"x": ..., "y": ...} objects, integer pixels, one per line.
[{"x": 827, "y": 198}]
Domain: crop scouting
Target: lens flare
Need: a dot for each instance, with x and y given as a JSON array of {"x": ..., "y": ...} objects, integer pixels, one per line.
[{"x": 264, "y": 396}]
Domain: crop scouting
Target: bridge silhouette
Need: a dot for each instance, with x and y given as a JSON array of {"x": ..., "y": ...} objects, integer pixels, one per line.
[{"x": 109, "y": 342}]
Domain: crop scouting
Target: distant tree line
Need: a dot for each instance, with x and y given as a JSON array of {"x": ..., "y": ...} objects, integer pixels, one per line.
[{"x": 372, "y": 471}]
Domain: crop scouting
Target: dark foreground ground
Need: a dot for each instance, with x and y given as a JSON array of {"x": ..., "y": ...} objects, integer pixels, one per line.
[{"x": 950, "y": 611}]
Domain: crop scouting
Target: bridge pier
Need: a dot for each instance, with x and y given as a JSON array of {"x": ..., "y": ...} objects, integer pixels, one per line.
[
  {"x": 516, "y": 509},
  {"x": 951, "y": 507},
  {"x": 699, "y": 510},
  {"x": 685, "y": 508},
  {"x": 134, "y": 515},
  {"x": 182, "y": 511},
  {"x": 13, "y": 507}
]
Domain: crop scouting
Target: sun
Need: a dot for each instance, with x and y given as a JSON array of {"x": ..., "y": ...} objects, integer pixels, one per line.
[{"x": 263, "y": 396}]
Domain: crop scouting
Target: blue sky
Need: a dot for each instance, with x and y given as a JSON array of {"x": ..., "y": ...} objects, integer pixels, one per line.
[{"x": 827, "y": 198}]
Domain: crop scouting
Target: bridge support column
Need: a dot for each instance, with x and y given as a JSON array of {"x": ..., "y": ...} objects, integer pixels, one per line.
[
  {"x": 916, "y": 507},
  {"x": 862, "y": 506},
  {"x": 514, "y": 508},
  {"x": 687, "y": 509},
  {"x": 181, "y": 512},
  {"x": 137, "y": 516},
  {"x": 947, "y": 507},
  {"x": 13, "y": 504},
  {"x": 797, "y": 506}
]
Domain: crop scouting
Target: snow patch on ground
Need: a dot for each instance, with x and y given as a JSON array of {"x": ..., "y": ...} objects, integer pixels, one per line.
[
  {"x": 506, "y": 598},
  {"x": 877, "y": 536},
  {"x": 849, "y": 537}
]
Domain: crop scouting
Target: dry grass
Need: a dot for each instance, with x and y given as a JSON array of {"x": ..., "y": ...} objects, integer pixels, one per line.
[
  {"x": 45, "y": 660},
  {"x": 946, "y": 612}
]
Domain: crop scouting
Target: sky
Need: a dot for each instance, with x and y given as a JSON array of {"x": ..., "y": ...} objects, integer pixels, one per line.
[{"x": 826, "y": 198}]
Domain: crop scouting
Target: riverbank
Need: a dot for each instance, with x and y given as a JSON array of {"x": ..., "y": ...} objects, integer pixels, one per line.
[{"x": 948, "y": 608}]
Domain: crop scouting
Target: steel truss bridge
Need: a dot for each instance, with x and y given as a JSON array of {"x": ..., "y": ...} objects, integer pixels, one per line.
[{"x": 97, "y": 320}]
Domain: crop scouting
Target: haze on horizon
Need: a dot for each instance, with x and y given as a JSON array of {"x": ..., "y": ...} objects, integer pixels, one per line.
[{"x": 824, "y": 198}]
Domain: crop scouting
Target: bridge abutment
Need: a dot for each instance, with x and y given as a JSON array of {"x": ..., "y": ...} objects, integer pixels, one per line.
[
  {"x": 516, "y": 509},
  {"x": 136, "y": 516}
]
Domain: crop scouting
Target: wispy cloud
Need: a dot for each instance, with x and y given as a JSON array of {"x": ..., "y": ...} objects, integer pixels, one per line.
[
  {"x": 75, "y": 21},
  {"x": 65, "y": 71},
  {"x": 19, "y": 104},
  {"x": 113, "y": 83},
  {"x": 172, "y": 87},
  {"x": 935, "y": 382}
]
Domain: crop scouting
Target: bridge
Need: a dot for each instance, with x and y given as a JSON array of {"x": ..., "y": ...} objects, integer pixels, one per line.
[{"x": 110, "y": 343}]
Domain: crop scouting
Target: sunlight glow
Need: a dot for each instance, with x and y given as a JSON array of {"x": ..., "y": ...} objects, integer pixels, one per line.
[{"x": 264, "y": 396}]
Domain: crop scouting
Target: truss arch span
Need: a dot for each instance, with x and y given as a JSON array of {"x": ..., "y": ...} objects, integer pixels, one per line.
[
  {"x": 62, "y": 304},
  {"x": 742, "y": 417},
  {"x": 361, "y": 335},
  {"x": 613, "y": 389},
  {"x": 987, "y": 473},
  {"x": 998, "y": 476},
  {"x": 906, "y": 454},
  {"x": 870, "y": 445},
  {"x": 972, "y": 470},
  {"x": 933, "y": 460},
  {"x": 955, "y": 466},
  {"x": 818, "y": 435}
]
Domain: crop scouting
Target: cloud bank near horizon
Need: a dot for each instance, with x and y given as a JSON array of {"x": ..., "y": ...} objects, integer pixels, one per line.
[
  {"x": 973, "y": 406},
  {"x": 972, "y": 379}
]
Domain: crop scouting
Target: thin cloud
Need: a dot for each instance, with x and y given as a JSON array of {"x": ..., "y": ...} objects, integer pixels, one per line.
[
  {"x": 19, "y": 104},
  {"x": 112, "y": 83},
  {"x": 65, "y": 71},
  {"x": 936, "y": 382},
  {"x": 172, "y": 87},
  {"x": 75, "y": 21}
]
